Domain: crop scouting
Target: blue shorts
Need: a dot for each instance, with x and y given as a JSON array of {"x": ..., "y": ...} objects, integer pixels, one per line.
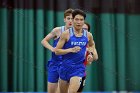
[
  {"x": 66, "y": 72},
  {"x": 53, "y": 71}
]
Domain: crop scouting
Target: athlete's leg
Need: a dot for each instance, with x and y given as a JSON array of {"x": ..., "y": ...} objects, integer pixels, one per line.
[
  {"x": 82, "y": 85},
  {"x": 52, "y": 87},
  {"x": 53, "y": 77},
  {"x": 74, "y": 84},
  {"x": 63, "y": 85},
  {"x": 58, "y": 88}
]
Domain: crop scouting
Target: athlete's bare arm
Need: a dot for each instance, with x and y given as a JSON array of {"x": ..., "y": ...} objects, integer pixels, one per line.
[
  {"x": 63, "y": 39},
  {"x": 91, "y": 47},
  {"x": 52, "y": 35}
]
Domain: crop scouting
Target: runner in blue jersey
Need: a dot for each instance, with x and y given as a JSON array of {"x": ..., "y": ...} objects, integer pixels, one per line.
[
  {"x": 55, "y": 61},
  {"x": 72, "y": 45}
]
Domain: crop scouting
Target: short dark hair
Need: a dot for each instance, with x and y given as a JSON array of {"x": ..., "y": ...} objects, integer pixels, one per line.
[
  {"x": 78, "y": 12},
  {"x": 88, "y": 26}
]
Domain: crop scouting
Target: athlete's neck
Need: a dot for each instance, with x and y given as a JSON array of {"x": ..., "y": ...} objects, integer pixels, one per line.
[
  {"x": 78, "y": 32},
  {"x": 66, "y": 27}
]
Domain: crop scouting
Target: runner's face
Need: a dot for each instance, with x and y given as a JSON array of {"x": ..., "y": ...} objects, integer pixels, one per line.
[
  {"x": 78, "y": 21},
  {"x": 68, "y": 21}
]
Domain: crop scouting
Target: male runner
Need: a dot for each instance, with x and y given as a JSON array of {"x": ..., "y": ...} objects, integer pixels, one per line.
[
  {"x": 55, "y": 61},
  {"x": 74, "y": 42}
]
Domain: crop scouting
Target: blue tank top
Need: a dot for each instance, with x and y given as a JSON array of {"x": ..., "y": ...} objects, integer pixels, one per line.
[
  {"x": 79, "y": 57},
  {"x": 57, "y": 57}
]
